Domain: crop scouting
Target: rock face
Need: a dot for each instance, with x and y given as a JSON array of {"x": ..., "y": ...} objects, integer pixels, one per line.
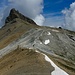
[{"x": 15, "y": 14}]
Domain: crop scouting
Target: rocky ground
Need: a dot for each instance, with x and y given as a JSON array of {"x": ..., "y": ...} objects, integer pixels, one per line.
[{"x": 25, "y": 62}]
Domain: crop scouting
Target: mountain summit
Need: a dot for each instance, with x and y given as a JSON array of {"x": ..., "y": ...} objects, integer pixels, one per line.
[
  {"x": 15, "y": 14},
  {"x": 29, "y": 49}
]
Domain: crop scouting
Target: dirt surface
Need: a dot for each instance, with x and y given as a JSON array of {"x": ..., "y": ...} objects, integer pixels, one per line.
[{"x": 24, "y": 62}]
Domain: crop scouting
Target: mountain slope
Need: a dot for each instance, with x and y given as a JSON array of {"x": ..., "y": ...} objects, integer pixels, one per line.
[
  {"x": 14, "y": 28},
  {"x": 24, "y": 61},
  {"x": 20, "y": 41}
]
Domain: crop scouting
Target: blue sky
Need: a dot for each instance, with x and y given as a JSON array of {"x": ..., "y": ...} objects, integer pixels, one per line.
[
  {"x": 53, "y": 13},
  {"x": 43, "y": 12},
  {"x": 54, "y": 6},
  {"x": 50, "y": 6}
]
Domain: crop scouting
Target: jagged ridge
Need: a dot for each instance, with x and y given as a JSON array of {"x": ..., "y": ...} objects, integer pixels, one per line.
[{"x": 15, "y": 14}]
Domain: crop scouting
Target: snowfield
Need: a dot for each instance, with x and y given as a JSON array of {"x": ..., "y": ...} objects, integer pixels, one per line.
[
  {"x": 49, "y": 33},
  {"x": 47, "y": 42},
  {"x": 55, "y": 30},
  {"x": 57, "y": 70}
]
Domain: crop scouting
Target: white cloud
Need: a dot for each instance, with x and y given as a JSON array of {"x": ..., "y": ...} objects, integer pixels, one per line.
[
  {"x": 69, "y": 20},
  {"x": 30, "y": 8},
  {"x": 2, "y": 15},
  {"x": 54, "y": 21},
  {"x": 33, "y": 10},
  {"x": 39, "y": 19}
]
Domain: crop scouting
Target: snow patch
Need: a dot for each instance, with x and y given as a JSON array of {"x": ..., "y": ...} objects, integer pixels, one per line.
[
  {"x": 40, "y": 42},
  {"x": 37, "y": 51},
  {"x": 31, "y": 48},
  {"x": 57, "y": 70},
  {"x": 49, "y": 33},
  {"x": 47, "y": 41},
  {"x": 55, "y": 30}
]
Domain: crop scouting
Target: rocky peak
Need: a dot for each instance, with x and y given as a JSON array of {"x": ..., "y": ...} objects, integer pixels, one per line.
[{"x": 15, "y": 14}]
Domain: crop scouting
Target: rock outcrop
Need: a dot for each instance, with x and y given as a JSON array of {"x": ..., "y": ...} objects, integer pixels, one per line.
[{"x": 15, "y": 14}]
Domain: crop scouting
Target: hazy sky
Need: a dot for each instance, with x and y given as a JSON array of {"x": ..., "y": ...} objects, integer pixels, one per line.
[{"x": 44, "y": 12}]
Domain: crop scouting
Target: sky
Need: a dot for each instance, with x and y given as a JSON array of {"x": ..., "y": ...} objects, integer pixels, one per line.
[{"x": 52, "y": 13}]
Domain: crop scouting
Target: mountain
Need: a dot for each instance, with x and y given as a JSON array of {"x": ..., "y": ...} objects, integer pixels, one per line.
[
  {"x": 29, "y": 49},
  {"x": 15, "y": 14}
]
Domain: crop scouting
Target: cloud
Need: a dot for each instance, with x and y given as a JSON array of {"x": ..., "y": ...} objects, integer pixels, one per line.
[
  {"x": 69, "y": 17},
  {"x": 54, "y": 21},
  {"x": 30, "y": 8},
  {"x": 39, "y": 19}
]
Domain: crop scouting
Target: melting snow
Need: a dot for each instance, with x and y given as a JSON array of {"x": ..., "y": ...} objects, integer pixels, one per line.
[
  {"x": 49, "y": 33},
  {"x": 40, "y": 42},
  {"x": 57, "y": 70},
  {"x": 55, "y": 30},
  {"x": 47, "y": 41},
  {"x": 37, "y": 51}
]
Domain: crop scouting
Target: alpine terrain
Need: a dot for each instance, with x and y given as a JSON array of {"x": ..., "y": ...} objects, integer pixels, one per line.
[{"x": 29, "y": 49}]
